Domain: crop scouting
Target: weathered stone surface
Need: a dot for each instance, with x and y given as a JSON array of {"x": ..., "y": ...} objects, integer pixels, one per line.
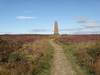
[{"x": 56, "y": 32}]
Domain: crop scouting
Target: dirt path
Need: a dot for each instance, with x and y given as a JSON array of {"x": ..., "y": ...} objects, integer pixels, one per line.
[{"x": 61, "y": 65}]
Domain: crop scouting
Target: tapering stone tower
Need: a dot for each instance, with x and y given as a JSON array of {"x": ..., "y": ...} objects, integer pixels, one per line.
[{"x": 56, "y": 28}]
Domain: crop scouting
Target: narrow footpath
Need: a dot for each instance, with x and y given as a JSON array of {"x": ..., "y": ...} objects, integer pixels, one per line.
[{"x": 60, "y": 65}]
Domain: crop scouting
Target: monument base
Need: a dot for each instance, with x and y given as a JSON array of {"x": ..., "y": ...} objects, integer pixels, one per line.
[{"x": 56, "y": 34}]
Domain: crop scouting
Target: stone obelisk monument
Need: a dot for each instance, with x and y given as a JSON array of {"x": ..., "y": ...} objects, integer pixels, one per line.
[{"x": 56, "y": 32}]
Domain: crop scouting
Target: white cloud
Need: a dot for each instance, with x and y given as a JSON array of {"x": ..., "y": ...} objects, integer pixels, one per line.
[
  {"x": 72, "y": 29},
  {"x": 25, "y": 17},
  {"x": 40, "y": 30},
  {"x": 93, "y": 24},
  {"x": 82, "y": 19},
  {"x": 5, "y": 32},
  {"x": 87, "y": 32}
]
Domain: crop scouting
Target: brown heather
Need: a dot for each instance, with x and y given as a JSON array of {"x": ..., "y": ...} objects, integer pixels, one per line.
[
  {"x": 32, "y": 58},
  {"x": 86, "y": 49}
]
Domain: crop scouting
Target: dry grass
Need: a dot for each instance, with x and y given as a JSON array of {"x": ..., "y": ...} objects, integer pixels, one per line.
[
  {"x": 32, "y": 59},
  {"x": 86, "y": 53},
  {"x": 88, "y": 56}
]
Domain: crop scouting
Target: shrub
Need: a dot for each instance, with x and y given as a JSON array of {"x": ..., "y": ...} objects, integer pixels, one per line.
[
  {"x": 86, "y": 50},
  {"x": 25, "y": 57}
]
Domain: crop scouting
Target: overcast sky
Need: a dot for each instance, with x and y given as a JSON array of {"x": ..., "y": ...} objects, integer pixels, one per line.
[{"x": 38, "y": 16}]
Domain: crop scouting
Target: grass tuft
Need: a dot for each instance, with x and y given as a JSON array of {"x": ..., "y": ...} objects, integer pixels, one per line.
[
  {"x": 33, "y": 58},
  {"x": 82, "y": 50}
]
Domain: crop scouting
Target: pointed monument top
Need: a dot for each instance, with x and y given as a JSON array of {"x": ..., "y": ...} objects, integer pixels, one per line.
[{"x": 55, "y": 21}]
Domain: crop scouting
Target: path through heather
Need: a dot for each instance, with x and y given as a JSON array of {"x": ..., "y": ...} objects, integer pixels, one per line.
[{"x": 60, "y": 65}]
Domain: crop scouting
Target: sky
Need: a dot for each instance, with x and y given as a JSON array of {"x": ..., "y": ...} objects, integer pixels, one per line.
[{"x": 38, "y": 16}]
